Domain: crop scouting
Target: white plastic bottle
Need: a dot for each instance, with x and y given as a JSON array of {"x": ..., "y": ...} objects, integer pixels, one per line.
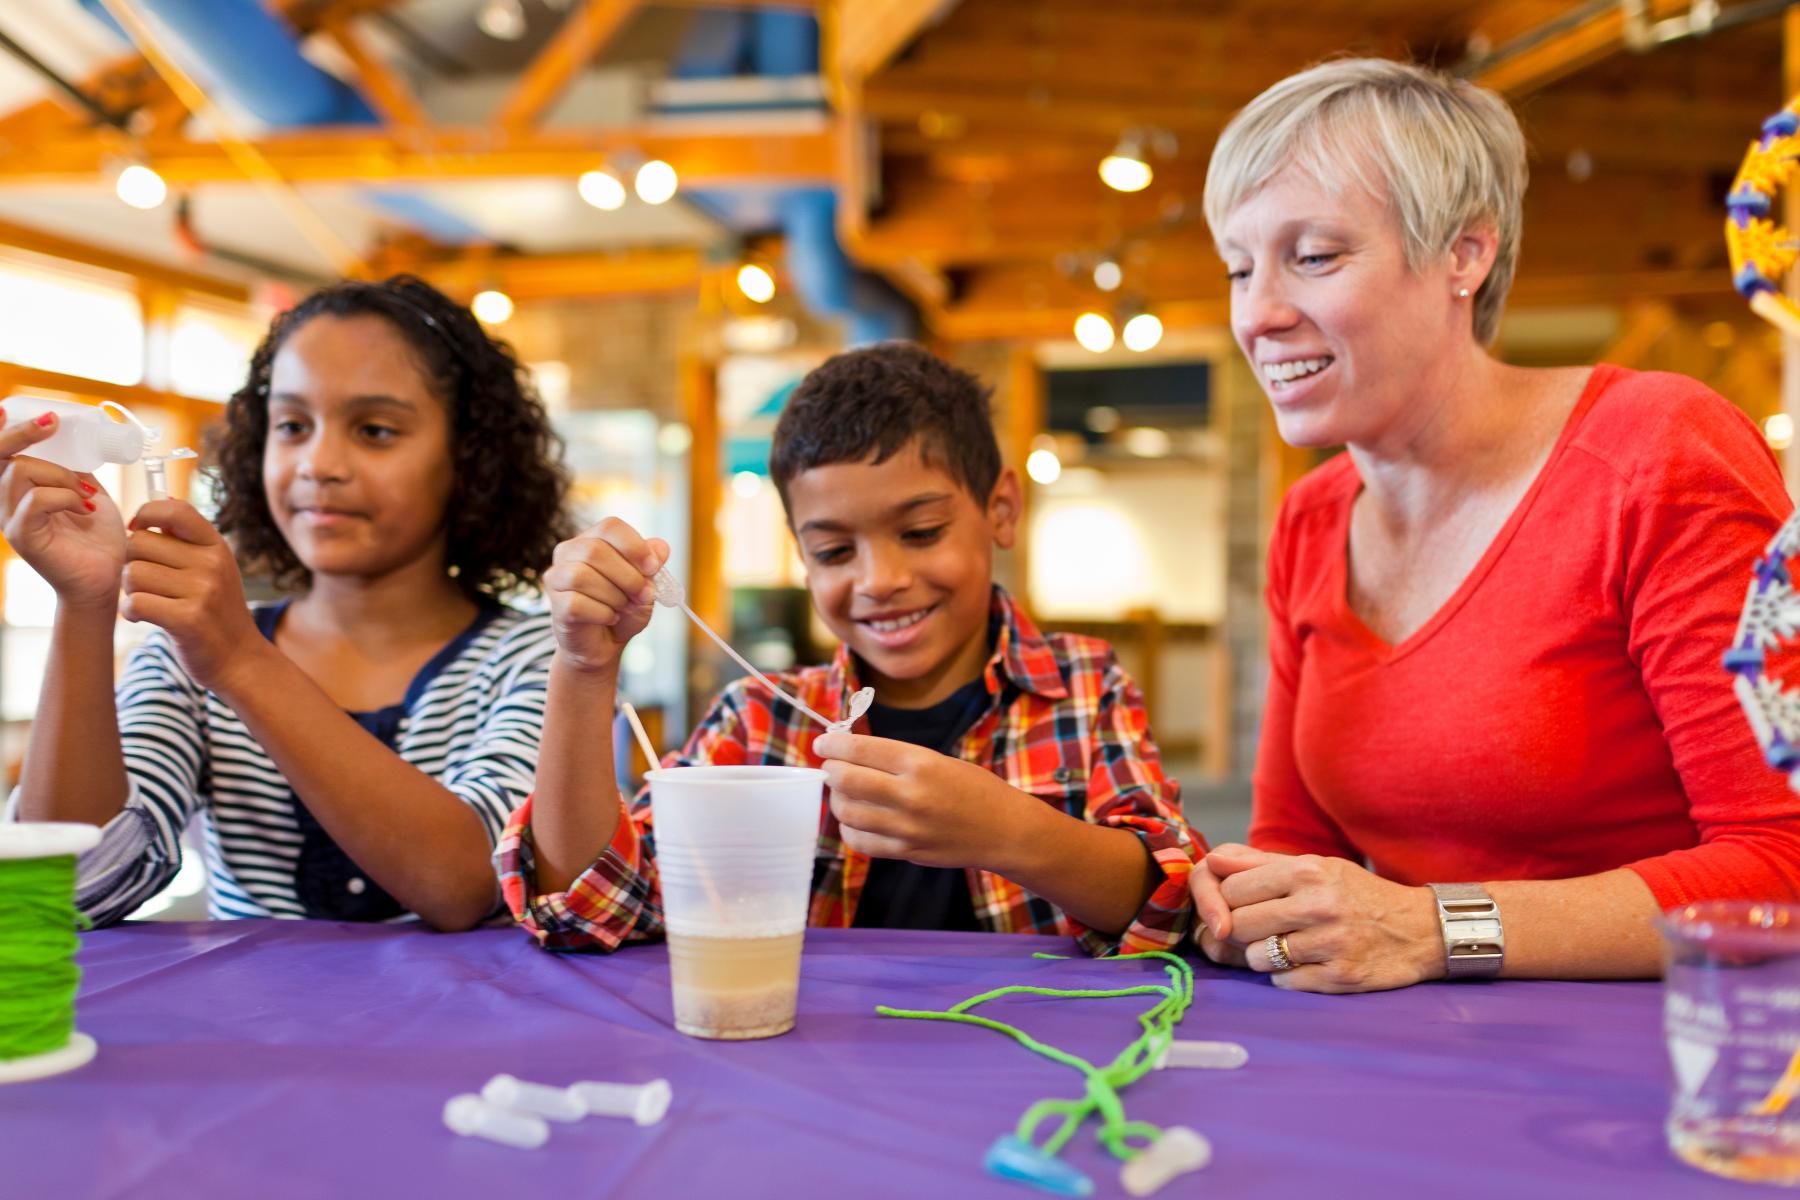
[{"x": 86, "y": 437}]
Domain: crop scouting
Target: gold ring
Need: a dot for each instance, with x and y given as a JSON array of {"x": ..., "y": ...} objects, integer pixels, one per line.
[{"x": 1277, "y": 947}]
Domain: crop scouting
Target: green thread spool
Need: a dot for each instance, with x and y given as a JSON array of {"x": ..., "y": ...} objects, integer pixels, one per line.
[{"x": 38, "y": 923}]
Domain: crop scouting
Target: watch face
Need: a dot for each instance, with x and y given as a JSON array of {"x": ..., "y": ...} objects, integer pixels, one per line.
[{"x": 1483, "y": 932}]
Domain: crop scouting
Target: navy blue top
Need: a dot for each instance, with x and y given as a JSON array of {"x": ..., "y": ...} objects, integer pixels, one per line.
[
  {"x": 327, "y": 882},
  {"x": 904, "y": 895}
]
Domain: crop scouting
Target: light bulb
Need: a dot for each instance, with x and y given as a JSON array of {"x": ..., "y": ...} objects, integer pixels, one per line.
[
  {"x": 1043, "y": 466},
  {"x": 1142, "y": 332},
  {"x": 655, "y": 181},
  {"x": 756, "y": 283},
  {"x": 1108, "y": 275},
  {"x": 601, "y": 189},
  {"x": 1123, "y": 171},
  {"x": 1094, "y": 332},
  {"x": 491, "y": 307},
  {"x": 141, "y": 187},
  {"x": 503, "y": 20}
]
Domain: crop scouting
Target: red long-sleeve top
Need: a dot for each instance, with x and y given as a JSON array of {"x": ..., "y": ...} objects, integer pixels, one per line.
[{"x": 1565, "y": 712}]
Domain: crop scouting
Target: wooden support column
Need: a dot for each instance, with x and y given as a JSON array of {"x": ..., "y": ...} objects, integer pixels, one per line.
[
  {"x": 157, "y": 305},
  {"x": 706, "y": 565},
  {"x": 1025, "y": 416}
]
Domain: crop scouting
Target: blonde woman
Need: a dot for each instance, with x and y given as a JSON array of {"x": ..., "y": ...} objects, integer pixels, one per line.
[{"x": 1498, "y": 738}]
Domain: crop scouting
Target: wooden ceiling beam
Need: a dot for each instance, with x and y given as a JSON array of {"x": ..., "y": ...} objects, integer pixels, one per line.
[
  {"x": 863, "y": 36},
  {"x": 585, "y": 276},
  {"x": 380, "y": 84},
  {"x": 1048, "y": 108},
  {"x": 1564, "y": 52},
  {"x": 582, "y": 35},
  {"x": 1046, "y": 308},
  {"x": 787, "y": 152},
  {"x": 37, "y": 241}
]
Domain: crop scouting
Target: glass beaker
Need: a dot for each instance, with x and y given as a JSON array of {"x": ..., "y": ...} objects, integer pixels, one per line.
[{"x": 1731, "y": 1020}]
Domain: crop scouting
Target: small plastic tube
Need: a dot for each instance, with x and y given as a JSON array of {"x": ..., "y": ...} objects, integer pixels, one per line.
[
  {"x": 1011, "y": 1158},
  {"x": 1210, "y": 1056},
  {"x": 644, "y": 1103},
  {"x": 535, "y": 1098},
  {"x": 1177, "y": 1152},
  {"x": 471, "y": 1116}
]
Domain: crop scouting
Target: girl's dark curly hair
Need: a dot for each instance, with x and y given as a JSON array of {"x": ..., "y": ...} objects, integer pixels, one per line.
[{"x": 508, "y": 504}]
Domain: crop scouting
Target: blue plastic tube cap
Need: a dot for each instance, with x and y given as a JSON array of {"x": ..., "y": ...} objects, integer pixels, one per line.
[{"x": 1020, "y": 1161}]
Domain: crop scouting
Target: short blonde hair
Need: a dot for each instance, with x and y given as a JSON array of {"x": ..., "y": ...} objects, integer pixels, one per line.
[{"x": 1445, "y": 154}]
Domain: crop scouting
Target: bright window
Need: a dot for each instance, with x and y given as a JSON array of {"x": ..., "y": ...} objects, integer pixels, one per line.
[
  {"x": 72, "y": 323},
  {"x": 209, "y": 352}
]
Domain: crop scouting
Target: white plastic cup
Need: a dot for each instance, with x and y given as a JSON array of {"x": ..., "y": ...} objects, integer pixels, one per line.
[{"x": 734, "y": 850}]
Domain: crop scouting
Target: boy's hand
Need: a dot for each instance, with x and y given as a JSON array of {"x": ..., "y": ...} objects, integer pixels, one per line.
[
  {"x": 897, "y": 800},
  {"x": 600, "y": 591},
  {"x": 180, "y": 574}
]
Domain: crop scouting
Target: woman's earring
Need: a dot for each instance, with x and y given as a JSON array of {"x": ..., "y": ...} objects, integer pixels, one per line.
[{"x": 1462, "y": 293}]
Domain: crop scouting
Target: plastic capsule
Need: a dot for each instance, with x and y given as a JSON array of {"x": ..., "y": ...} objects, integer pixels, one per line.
[
  {"x": 1210, "y": 1056},
  {"x": 644, "y": 1103},
  {"x": 535, "y": 1098},
  {"x": 471, "y": 1116},
  {"x": 1177, "y": 1152}
]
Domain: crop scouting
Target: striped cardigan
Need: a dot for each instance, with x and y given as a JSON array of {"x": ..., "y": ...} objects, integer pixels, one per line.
[{"x": 474, "y": 727}]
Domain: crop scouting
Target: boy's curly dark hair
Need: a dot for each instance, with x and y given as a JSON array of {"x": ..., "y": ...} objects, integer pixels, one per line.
[
  {"x": 508, "y": 504},
  {"x": 877, "y": 400}
]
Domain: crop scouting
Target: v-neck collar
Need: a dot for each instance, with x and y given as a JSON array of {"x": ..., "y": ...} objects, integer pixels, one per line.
[
  {"x": 268, "y": 619},
  {"x": 1386, "y": 652}
]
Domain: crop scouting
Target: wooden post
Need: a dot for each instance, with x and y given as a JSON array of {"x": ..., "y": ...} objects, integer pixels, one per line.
[
  {"x": 1025, "y": 416},
  {"x": 706, "y": 565}
]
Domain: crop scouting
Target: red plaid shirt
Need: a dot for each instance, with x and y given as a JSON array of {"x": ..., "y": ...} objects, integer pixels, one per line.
[{"x": 1064, "y": 723}]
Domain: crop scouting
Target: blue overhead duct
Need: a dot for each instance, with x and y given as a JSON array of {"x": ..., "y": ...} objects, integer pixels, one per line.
[
  {"x": 241, "y": 51},
  {"x": 782, "y": 44}
]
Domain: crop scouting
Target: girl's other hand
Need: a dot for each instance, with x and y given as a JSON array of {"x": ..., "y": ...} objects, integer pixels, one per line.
[
  {"x": 181, "y": 575},
  {"x": 63, "y": 524},
  {"x": 600, "y": 591}
]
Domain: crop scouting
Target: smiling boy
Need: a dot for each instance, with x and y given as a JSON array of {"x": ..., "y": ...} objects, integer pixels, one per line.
[{"x": 1007, "y": 780}]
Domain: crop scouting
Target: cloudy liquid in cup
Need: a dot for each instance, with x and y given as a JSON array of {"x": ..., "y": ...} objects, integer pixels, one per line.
[{"x": 734, "y": 988}]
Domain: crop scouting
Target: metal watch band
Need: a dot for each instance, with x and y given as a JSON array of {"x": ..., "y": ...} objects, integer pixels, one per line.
[{"x": 1474, "y": 942}]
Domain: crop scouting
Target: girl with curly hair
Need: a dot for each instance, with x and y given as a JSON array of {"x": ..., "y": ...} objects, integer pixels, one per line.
[{"x": 355, "y": 748}]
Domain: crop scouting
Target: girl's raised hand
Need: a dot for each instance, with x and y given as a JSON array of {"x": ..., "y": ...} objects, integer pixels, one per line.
[
  {"x": 181, "y": 575},
  {"x": 600, "y": 592},
  {"x": 61, "y": 523}
]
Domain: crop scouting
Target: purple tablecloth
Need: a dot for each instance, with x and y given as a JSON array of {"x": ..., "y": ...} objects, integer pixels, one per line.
[{"x": 303, "y": 1059}]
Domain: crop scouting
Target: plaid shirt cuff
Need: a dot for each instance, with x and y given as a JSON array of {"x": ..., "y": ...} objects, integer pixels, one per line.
[
  {"x": 1164, "y": 921},
  {"x": 608, "y": 904}
]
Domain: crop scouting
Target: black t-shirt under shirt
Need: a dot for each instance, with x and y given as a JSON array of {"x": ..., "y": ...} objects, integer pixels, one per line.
[{"x": 903, "y": 895}]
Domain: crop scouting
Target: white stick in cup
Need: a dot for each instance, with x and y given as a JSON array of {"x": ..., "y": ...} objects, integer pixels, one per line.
[
  {"x": 651, "y": 757},
  {"x": 670, "y": 594}
]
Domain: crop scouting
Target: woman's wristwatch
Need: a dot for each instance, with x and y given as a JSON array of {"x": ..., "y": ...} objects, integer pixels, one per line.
[{"x": 1474, "y": 942}]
